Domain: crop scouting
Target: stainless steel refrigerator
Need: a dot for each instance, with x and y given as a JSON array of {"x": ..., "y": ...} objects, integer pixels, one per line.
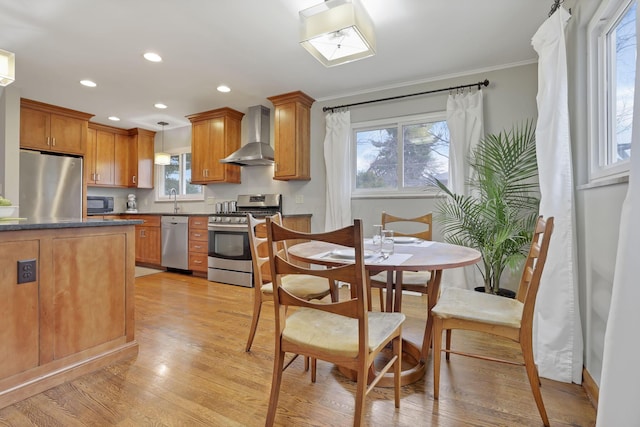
[{"x": 50, "y": 185}]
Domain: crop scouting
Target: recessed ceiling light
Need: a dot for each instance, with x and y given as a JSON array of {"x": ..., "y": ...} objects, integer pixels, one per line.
[
  {"x": 160, "y": 105},
  {"x": 153, "y": 57},
  {"x": 223, "y": 88},
  {"x": 88, "y": 83},
  {"x": 114, "y": 118}
]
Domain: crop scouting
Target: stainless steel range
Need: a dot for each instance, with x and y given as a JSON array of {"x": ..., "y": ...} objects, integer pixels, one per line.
[{"x": 229, "y": 258}]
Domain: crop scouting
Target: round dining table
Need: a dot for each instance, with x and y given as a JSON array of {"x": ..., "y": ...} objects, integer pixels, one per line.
[{"x": 414, "y": 255}]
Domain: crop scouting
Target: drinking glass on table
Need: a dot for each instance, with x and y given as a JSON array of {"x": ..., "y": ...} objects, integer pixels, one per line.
[
  {"x": 386, "y": 246},
  {"x": 377, "y": 238}
]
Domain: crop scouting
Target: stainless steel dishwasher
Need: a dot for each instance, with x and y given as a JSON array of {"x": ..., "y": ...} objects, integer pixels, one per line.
[{"x": 175, "y": 242}]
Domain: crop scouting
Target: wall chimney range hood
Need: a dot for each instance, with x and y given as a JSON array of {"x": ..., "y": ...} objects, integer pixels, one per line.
[{"x": 258, "y": 151}]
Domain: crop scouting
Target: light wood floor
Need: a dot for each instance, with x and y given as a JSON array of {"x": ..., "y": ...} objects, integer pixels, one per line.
[{"x": 192, "y": 370}]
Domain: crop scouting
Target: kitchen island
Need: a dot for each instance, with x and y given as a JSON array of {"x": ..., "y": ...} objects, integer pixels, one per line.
[{"x": 67, "y": 299}]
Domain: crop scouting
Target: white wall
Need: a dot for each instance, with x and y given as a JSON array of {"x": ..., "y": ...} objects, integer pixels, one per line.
[{"x": 10, "y": 143}]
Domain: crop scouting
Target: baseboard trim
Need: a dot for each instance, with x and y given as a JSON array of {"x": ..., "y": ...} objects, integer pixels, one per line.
[{"x": 590, "y": 386}]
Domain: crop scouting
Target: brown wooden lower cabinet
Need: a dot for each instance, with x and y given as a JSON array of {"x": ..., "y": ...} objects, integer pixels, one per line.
[
  {"x": 75, "y": 316},
  {"x": 19, "y": 307},
  {"x": 148, "y": 239},
  {"x": 198, "y": 244}
]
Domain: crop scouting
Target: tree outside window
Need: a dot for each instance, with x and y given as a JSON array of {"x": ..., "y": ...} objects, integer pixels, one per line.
[
  {"x": 612, "y": 71},
  {"x": 401, "y": 156},
  {"x": 177, "y": 175}
]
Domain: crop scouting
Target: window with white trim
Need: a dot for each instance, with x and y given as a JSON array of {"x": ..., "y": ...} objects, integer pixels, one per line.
[
  {"x": 612, "y": 71},
  {"x": 177, "y": 175},
  {"x": 400, "y": 154}
]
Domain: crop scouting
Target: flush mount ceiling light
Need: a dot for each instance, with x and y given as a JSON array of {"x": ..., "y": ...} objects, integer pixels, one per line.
[
  {"x": 337, "y": 31},
  {"x": 88, "y": 83},
  {"x": 162, "y": 158},
  {"x": 7, "y": 67},
  {"x": 160, "y": 105},
  {"x": 224, "y": 89},
  {"x": 152, "y": 57}
]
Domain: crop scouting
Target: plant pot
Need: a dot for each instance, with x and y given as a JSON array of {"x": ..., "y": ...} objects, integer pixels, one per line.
[{"x": 507, "y": 293}]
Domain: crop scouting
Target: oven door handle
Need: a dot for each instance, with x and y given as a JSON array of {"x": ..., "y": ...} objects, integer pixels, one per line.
[{"x": 228, "y": 227}]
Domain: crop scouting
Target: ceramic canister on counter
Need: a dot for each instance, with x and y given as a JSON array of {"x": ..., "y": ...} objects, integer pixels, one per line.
[{"x": 219, "y": 207}]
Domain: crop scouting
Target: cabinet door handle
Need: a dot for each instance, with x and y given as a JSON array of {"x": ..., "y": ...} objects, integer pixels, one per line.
[
  {"x": 198, "y": 247},
  {"x": 134, "y": 179},
  {"x": 48, "y": 140},
  {"x": 54, "y": 141},
  {"x": 197, "y": 234},
  {"x": 197, "y": 262},
  {"x": 98, "y": 177}
]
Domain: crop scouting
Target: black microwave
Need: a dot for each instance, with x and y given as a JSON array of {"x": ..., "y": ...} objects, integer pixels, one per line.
[{"x": 99, "y": 204}]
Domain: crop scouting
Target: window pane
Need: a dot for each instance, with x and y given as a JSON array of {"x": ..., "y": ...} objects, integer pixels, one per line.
[
  {"x": 171, "y": 175},
  {"x": 189, "y": 188},
  {"x": 426, "y": 152},
  {"x": 377, "y": 158},
  {"x": 624, "y": 63}
]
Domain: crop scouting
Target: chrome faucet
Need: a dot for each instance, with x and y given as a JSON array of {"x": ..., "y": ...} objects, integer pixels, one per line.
[{"x": 175, "y": 200}]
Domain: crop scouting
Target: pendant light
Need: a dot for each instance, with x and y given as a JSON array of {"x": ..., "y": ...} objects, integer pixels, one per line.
[{"x": 162, "y": 158}]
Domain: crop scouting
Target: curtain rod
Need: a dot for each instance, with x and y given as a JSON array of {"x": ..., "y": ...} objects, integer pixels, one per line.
[{"x": 479, "y": 84}]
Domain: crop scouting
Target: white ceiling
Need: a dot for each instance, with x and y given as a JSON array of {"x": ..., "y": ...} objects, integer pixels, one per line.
[{"x": 250, "y": 45}]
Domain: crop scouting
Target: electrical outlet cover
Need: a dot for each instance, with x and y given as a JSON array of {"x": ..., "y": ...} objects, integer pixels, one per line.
[{"x": 27, "y": 271}]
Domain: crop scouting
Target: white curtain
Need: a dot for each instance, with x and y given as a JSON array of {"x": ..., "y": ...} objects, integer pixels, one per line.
[
  {"x": 620, "y": 381},
  {"x": 337, "y": 160},
  {"x": 466, "y": 128},
  {"x": 557, "y": 336}
]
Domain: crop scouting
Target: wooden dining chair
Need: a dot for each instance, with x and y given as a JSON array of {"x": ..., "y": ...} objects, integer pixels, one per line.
[
  {"x": 416, "y": 281},
  {"x": 497, "y": 315},
  {"x": 307, "y": 288},
  {"x": 343, "y": 332}
]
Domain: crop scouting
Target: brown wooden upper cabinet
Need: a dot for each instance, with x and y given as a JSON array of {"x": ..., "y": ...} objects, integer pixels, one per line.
[
  {"x": 141, "y": 158},
  {"x": 47, "y": 127},
  {"x": 119, "y": 158},
  {"x": 292, "y": 134},
  {"x": 214, "y": 135},
  {"x": 106, "y": 161}
]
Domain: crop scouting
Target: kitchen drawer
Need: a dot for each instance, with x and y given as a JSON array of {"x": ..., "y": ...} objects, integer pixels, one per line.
[
  {"x": 148, "y": 220},
  {"x": 197, "y": 261},
  {"x": 198, "y": 235},
  {"x": 197, "y": 246},
  {"x": 198, "y": 222}
]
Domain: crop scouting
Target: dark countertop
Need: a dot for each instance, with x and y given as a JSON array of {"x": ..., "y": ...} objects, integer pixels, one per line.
[
  {"x": 154, "y": 213},
  {"x": 184, "y": 214},
  {"x": 14, "y": 224}
]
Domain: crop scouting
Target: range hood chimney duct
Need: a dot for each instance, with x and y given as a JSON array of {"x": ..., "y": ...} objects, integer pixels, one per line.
[{"x": 258, "y": 151}]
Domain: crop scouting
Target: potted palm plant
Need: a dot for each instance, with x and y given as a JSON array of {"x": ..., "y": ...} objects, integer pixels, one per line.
[{"x": 498, "y": 216}]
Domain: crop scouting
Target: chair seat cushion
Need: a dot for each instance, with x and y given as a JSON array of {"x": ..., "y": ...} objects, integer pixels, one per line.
[
  {"x": 335, "y": 334},
  {"x": 301, "y": 285},
  {"x": 414, "y": 278},
  {"x": 455, "y": 303}
]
